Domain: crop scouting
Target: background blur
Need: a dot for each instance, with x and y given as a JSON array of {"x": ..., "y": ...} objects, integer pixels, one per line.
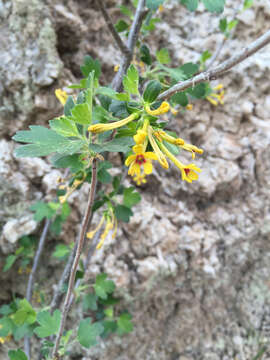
[{"x": 192, "y": 266}]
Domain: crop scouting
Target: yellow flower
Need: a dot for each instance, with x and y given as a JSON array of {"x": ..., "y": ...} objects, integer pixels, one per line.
[
  {"x": 162, "y": 135},
  {"x": 98, "y": 128},
  {"x": 140, "y": 179},
  {"x": 161, "y": 8},
  {"x": 140, "y": 158},
  {"x": 174, "y": 111},
  {"x": 160, "y": 156},
  {"x": 193, "y": 149},
  {"x": 141, "y": 134},
  {"x": 215, "y": 98},
  {"x": 189, "y": 107},
  {"x": 110, "y": 224},
  {"x": 187, "y": 171},
  {"x": 116, "y": 68},
  {"x": 91, "y": 234},
  {"x": 164, "y": 107},
  {"x": 61, "y": 96},
  {"x": 70, "y": 189}
]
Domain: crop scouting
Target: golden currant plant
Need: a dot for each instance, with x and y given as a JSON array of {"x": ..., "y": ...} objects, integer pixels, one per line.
[{"x": 129, "y": 117}]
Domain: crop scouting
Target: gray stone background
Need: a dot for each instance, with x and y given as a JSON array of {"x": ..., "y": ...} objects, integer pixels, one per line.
[{"x": 192, "y": 266}]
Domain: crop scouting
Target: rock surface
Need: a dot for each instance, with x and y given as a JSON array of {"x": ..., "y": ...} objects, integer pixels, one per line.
[{"x": 193, "y": 263}]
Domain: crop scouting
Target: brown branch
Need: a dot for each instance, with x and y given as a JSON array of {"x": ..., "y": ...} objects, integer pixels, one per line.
[
  {"x": 213, "y": 73},
  {"x": 125, "y": 50},
  {"x": 85, "y": 222},
  {"x": 27, "y": 347},
  {"x": 132, "y": 38}
]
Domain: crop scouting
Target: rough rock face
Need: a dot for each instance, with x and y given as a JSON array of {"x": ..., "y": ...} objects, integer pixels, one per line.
[{"x": 193, "y": 263}]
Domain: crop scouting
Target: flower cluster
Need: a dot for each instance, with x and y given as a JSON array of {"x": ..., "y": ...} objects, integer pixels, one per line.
[
  {"x": 149, "y": 137},
  {"x": 110, "y": 224},
  {"x": 217, "y": 96}
]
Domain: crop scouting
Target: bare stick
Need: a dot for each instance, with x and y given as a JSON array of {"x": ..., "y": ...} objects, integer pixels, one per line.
[
  {"x": 87, "y": 216},
  {"x": 111, "y": 27},
  {"x": 212, "y": 74},
  {"x": 222, "y": 43},
  {"x": 27, "y": 347},
  {"x": 132, "y": 38}
]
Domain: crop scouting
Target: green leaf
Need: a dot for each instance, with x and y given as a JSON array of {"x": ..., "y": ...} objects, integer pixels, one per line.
[
  {"x": 180, "y": 98},
  {"x": 123, "y": 213},
  {"x": 124, "y": 324},
  {"x": 198, "y": 91},
  {"x": 90, "y": 302},
  {"x": 63, "y": 126},
  {"x": 109, "y": 328},
  {"x": 17, "y": 355},
  {"x": 163, "y": 56},
  {"x": 205, "y": 56},
  {"x": 69, "y": 105},
  {"x": 91, "y": 65},
  {"x": 122, "y": 144},
  {"x": 44, "y": 142},
  {"x": 191, "y": 5},
  {"x": 67, "y": 161},
  {"x": 61, "y": 251},
  {"x": 88, "y": 333},
  {"x": 247, "y": 4},
  {"x": 6, "y": 310},
  {"x": 223, "y": 25},
  {"x": 214, "y": 5},
  {"x": 6, "y": 326},
  {"x": 121, "y": 25},
  {"x": 154, "y": 4},
  {"x": 119, "y": 109},
  {"x": 9, "y": 262},
  {"x": 23, "y": 330},
  {"x": 42, "y": 210},
  {"x": 131, "y": 80},
  {"x": 25, "y": 313},
  {"x": 183, "y": 72},
  {"x": 81, "y": 113},
  {"x": 152, "y": 91},
  {"x": 232, "y": 24},
  {"x": 131, "y": 197},
  {"x": 103, "y": 287},
  {"x": 49, "y": 324},
  {"x": 172, "y": 148},
  {"x": 126, "y": 11},
  {"x": 145, "y": 55},
  {"x": 104, "y": 177}
]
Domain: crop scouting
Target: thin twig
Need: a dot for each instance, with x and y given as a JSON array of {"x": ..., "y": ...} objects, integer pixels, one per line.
[
  {"x": 212, "y": 74},
  {"x": 111, "y": 27},
  {"x": 85, "y": 222},
  {"x": 27, "y": 347},
  {"x": 132, "y": 38},
  {"x": 223, "y": 41}
]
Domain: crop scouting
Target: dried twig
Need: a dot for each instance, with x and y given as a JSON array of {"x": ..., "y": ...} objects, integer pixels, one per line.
[
  {"x": 212, "y": 74},
  {"x": 27, "y": 347},
  {"x": 132, "y": 38},
  {"x": 84, "y": 226},
  {"x": 125, "y": 50}
]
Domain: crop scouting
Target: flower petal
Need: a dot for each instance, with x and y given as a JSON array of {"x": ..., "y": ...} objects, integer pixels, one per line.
[
  {"x": 150, "y": 155},
  {"x": 129, "y": 159},
  {"x": 148, "y": 167}
]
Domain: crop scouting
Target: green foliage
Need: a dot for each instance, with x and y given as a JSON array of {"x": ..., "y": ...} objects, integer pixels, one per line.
[
  {"x": 124, "y": 324},
  {"x": 61, "y": 251},
  {"x": 90, "y": 302},
  {"x": 223, "y": 25},
  {"x": 64, "y": 127},
  {"x": 123, "y": 213},
  {"x": 145, "y": 55},
  {"x": 131, "y": 197},
  {"x": 152, "y": 91},
  {"x": 154, "y": 4},
  {"x": 90, "y": 65},
  {"x": 122, "y": 144},
  {"x": 9, "y": 262},
  {"x": 216, "y": 6},
  {"x": 49, "y": 324},
  {"x": 247, "y": 4},
  {"x": 163, "y": 56},
  {"x": 131, "y": 80},
  {"x": 42, "y": 210},
  {"x": 103, "y": 287},
  {"x": 25, "y": 313},
  {"x": 183, "y": 72},
  {"x": 121, "y": 25},
  {"x": 17, "y": 355},
  {"x": 88, "y": 333},
  {"x": 190, "y": 4}
]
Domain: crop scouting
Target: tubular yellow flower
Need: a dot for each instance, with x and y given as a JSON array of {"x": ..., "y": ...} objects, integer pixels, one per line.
[
  {"x": 70, "y": 189},
  {"x": 160, "y": 134},
  {"x": 193, "y": 149},
  {"x": 116, "y": 68},
  {"x": 215, "y": 98},
  {"x": 110, "y": 224},
  {"x": 140, "y": 158},
  {"x": 187, "y": 171},
  {"x": 164, "y": 107},
  {"x": 98, "y": 128},
  {"x": 140, "y": 179},
  {"x": 141, "y": 134},
  {"x": 160, "y": 156},
  {"x": 91, "y": 234},
  {"x": 61, "y": 96},
  {"x": 189, "y": 107}
]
